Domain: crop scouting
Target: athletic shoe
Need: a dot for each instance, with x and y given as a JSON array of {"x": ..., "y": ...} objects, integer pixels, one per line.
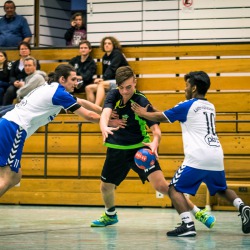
[
  {"x": 184, "y": 230},
  {"x": 206, "y": 218},
  {"x": 245, "y": 217},
  {"x": 105, "y": 220}
]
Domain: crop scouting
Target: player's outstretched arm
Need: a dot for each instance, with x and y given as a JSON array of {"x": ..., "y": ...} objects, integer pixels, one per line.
[
  {"x": 104, "y": 121},
  {"x": 88, "y": 114},
  {"x": 154, "y": 144},
  {"x": 89, "y": 105},
  {"x": 152, "y": 116}
]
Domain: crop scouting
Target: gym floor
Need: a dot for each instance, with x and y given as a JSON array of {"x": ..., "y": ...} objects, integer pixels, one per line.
[{"x": 68, "y": 227}]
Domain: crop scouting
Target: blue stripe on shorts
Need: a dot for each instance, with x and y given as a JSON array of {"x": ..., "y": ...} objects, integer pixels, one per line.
[{"x": 12, "y": 138}]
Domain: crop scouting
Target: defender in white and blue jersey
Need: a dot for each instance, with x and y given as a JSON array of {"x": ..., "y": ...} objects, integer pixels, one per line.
[
  {"x": 38, "y": 108},
  {"x": 203, "y": 160}
]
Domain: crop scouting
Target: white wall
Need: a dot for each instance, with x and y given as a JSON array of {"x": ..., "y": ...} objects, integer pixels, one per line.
[
  {"x": 54, "y": 21},
  {"x": 143, "y": 21},
  {"x": 166, "y": 22}
]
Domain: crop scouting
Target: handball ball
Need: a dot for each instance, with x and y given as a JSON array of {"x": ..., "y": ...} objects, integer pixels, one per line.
[{"x": 144, "y": 158}]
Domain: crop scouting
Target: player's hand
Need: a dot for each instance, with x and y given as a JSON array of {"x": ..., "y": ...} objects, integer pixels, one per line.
[
  {"x": 108, "y": 131},
  {"x": 139, "y": 110},
  {"x": 114, "y": 115},
  {"x": 153, "y": 146},
  {"x": 120, "y": 123}
]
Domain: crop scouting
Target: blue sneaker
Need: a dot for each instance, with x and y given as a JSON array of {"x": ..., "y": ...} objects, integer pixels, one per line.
[
  {"x": 206, "y": 218},
  {"x": 105, "y": 220}
]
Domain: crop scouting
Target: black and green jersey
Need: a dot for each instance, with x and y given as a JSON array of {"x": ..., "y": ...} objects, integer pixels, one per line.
[{"x": 135, "y": 132}]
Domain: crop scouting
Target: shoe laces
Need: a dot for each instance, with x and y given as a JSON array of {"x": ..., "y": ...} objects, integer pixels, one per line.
[
  {"x": 180, "y": 229},
  {"x": 202, "y": 215},
  {"x": 103, "y": 218}
]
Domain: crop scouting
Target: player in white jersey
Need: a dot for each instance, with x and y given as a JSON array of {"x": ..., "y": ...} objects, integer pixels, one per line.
[
  {"x": 36, "y": 109},
  {"x": 203, "y": 160}
]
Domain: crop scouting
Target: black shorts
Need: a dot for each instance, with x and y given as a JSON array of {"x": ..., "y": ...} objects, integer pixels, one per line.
[{"x": 118, "y": 163}]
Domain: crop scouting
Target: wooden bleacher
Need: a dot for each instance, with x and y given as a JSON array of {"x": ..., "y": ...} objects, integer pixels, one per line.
[{"x": 62, "y": 161}]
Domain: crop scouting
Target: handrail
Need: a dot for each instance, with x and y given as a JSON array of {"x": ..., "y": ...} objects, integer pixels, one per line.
[{"x": 80, "y": 140}]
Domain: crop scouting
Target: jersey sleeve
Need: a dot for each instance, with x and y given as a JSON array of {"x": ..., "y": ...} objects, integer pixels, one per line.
[
  {"x": 64, "y": 99},
  {"x": 111, "y": 99},
  {"x": 179, "y": 112}
]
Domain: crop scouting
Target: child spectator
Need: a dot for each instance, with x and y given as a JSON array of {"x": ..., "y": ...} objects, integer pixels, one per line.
[
  {"x": 111, "y": 61},
  {"x": 13, "y": 28},
  {"x": 77, "y": 32},
  {"x": 85, "y": 66},
  {"x": 5, "y": 67}
]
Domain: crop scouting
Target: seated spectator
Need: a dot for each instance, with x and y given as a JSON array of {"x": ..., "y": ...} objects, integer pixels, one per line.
[
  {"x": 111, "y": 61},
  {"x": 85, "y": 66},
  {"x": 77, "y": 32},
  {"x": 34, "y": 79},
  {"x": 17, "y": 73},
  {"x": 13, "y": 28},
  {"x": 5, "y": 67}
]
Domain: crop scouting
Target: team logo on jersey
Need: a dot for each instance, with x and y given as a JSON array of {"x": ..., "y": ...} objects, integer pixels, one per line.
[
  {"x": 212, "y": 140},
  {"x": 125, "y": 117}
]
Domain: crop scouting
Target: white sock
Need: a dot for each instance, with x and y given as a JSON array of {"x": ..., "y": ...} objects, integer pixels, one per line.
[
  {"x": 195, "y": 210},
  {"x": 186, "y": 217},
  {"x": 110, "y": 212},
  {"x": 237, "y": 202}
]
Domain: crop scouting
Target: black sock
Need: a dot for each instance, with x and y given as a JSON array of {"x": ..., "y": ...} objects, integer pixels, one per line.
[{"x": 110, "y": 212}]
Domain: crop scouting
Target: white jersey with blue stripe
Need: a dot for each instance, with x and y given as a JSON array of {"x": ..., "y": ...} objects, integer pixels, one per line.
[
  {"x": 40, "y": 107},
  {"x": 202, "y": 147}
]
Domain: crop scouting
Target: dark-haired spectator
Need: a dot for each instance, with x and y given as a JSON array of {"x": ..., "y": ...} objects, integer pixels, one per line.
[
  {"x": 17, "y": 73},
  {"x": 77, "y": 32},
  {"x": 5, "y": 68},
  {"x": 13, "y": 28},
  {"x": 85, "y": 66}
]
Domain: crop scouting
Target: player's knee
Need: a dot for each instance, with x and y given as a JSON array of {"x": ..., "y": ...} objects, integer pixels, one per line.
[
  {"x": 107, "y": 187},
  {"x": 162, "y": 187}
]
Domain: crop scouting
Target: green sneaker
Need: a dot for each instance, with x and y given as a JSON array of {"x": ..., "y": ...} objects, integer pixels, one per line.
[
  {"x": 206, "y": 218},
  {"x": 104, "y": 221}
]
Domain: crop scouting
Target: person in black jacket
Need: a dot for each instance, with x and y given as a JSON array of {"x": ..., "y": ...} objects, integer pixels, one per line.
[
  {"x": 111, "y": 61},
  {"x": 77, "y": 32},
  {"x": 17, "y": 73},
  {"x": 5, "y": 67},
  {"x": 85, "y": 66}
]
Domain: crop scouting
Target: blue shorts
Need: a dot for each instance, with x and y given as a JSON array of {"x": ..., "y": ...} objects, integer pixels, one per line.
[
  {"x": 12, "y": 138},
  {"x": 188, "y": 179}
]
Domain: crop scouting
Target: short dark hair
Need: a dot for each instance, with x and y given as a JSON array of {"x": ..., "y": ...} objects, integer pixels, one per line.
[
  {"x": 9, "y": 2},
  {"x": 75, "y": 15},
  {"x": 25, "y": 44},
  {"x": 122, "y": 74},
  {"x": 31, "y": 58},
  {"x": 63, "y": 70},
  {"x": 200, "y": 79},
  {"x": 85, "y": 42}
]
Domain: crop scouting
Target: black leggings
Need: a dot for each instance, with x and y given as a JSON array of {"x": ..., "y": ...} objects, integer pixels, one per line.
[{"x": 9, "y": 95}]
